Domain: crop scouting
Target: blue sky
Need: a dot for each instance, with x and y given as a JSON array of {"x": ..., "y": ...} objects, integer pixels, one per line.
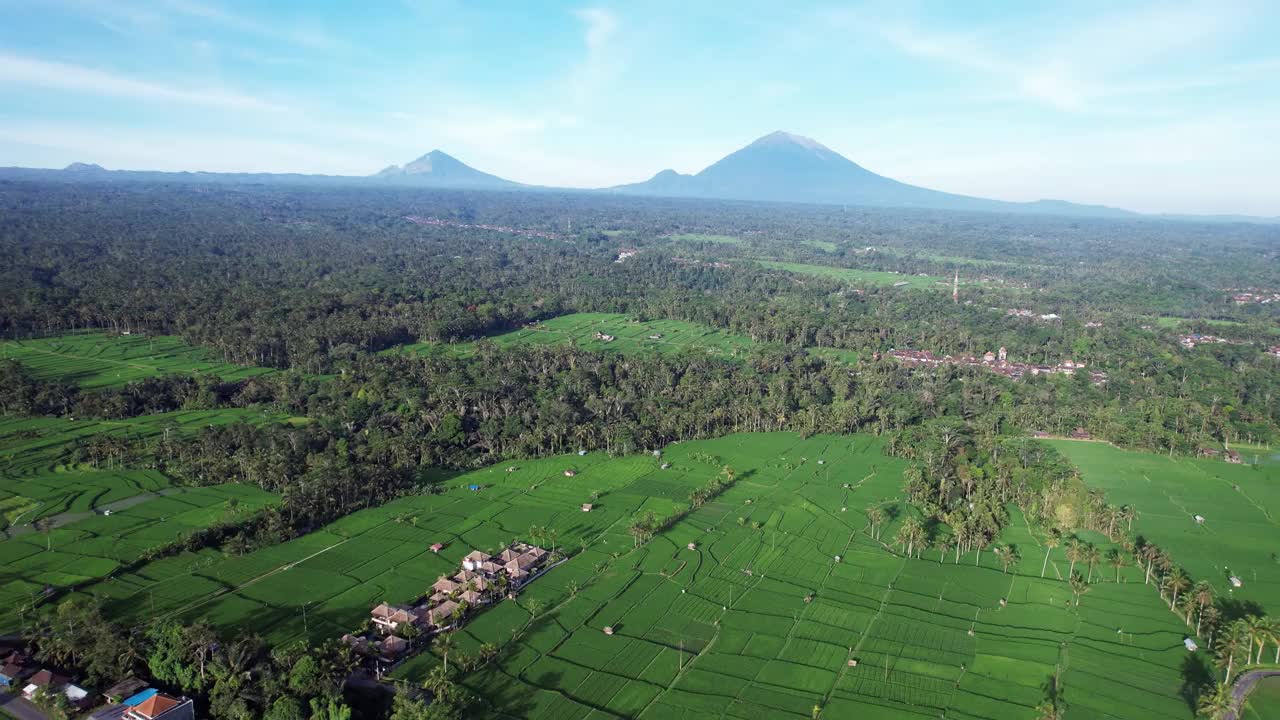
[{"x": 1165, "y": 106}]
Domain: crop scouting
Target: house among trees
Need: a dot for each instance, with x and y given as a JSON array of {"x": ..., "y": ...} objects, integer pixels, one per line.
[
  {"x": 14, "y": 668},
  {"x": 393, "y": 618},
  {"x": 1208, "y": 452},
  {"x": 1081, "y": 434},
  {"x": 1233, "y": 457},
  {"x": 161, "y": 706}
]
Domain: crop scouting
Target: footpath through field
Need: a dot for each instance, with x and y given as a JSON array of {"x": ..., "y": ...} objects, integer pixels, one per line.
[{"x": 1245, "y": 685}]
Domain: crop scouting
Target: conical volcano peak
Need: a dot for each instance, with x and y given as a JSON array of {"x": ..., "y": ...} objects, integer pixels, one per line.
[{"x": 785, "y": 138}]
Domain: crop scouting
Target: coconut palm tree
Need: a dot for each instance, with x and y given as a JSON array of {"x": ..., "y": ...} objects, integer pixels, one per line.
[
  {"x": 1209, "y": 618},
  {"x": 1128, "y": 514},
  {"x": 1092, "y": 556},
  {"x": 944, "y": 546},
  {"x": 443, "y": 644},
  {"x": 875, "y": 516},
  {"x": 1175, "y": 582},
  {"x": 1259, "y": 629},
  {"x": 1075, "y": 552},
  {"x": 1230, "y": 645},
  {"x": 1053, "y": 540},
  {"x": 1216, "y": 704},
  {"x": 1202, "y": 592},
  {"x": 910, "y": 533},
  {"x": 1117, "y": 560},
  {"x": 1078, "y": 586}
]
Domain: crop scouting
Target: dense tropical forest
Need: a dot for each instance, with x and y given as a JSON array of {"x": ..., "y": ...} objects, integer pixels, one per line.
[{"x": 355, "y": 302}]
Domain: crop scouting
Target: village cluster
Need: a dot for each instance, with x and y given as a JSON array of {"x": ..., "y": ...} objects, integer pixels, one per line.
[
  {"x": 129, "y": 699},
  {"x": 1031, "y": 314},
  {"x": 1254, "y": 296},
  {"x": 395, "y": 631},
  {"x": 997, "y": 362}
]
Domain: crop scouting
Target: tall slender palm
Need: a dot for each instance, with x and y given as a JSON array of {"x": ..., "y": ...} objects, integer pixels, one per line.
[
  {"x": 1117, "y": 560},
  {"x": 1092, "y": 556},
  {"x": 443, "y": 644},
  {"x": 1231, "y": 644},
  {"x": 1078, "y": 586},
  {"x": 1175, "y": 582},
  {"x": 1259, "y": 629},
  {"x": 1075, "y": 549},
  {"x": 1053, "y": 540},
  {"x": 1203, "y": 594}
]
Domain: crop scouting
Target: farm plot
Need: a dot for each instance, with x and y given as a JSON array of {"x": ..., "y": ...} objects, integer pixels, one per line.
[
  {"x": 1240, "y": 504},
  {"x": 857, "y": 277},
  {"x": 630, "y": 336},
  {"x": 97, "y": 360},
  {"x": 76, "y": 543},
  {"x": 783, "y": 587}
]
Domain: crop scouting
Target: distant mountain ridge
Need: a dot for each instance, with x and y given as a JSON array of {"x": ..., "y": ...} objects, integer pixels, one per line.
[{"x": 778, "y": 167}]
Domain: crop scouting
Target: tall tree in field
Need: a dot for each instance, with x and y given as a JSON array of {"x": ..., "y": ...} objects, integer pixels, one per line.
[
  {"x": 1117, "y": 560},
  {"x": 1233, "y": 642},
  {"x": 1053, "y": 540},
  {"x": 1175, "y": 582}
]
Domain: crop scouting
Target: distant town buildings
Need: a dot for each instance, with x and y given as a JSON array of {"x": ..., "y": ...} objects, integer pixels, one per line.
[
  {"x": 1031, "y": 314},
  {"x": 1254, "y": 296},
  {"x": 626, "y": 253},
  {"x": 998, "y": 363}
]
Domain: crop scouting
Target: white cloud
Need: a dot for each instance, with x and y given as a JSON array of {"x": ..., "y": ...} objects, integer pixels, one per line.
[
  {"x": 601, "y": 28},
  {"x": 34, "y": 72},
  {"x": 1071, "y": 66}
]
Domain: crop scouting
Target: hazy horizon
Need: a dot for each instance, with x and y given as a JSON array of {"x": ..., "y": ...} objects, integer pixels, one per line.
[{"x": 1145, "y": 107}]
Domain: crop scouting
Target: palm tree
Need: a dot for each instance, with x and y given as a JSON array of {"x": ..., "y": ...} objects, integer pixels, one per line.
[
  {"x": 1117, "y": 560},
  {"x": 1078, "y": 586},
  {"x": 1091, "y": 555},
  {"x": 1203, "y": 595},
  {"x": 875, "y": 515},
  {"x": 1128, "y": 514},
  {"x": 1175, "y": 582},
  {"x": 1052, "y": 541},
  {"x": 1210, "y": 617},
  {"x": 1009, "y": 555},
  {"x": 1230, "y": 644},
  {"x": 1259, "y": 630},
  {"x": 443, "y": 644},
  {"x": 943, "y": 545},
  {"x": 1217, "y": 704},
  {"x": 1075, "y": 552},
  {"x": 910, "y": 533}
]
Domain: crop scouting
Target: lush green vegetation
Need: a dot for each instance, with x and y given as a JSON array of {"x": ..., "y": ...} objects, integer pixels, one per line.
[
  {"x": 94, "y": 360},
  {"x": 855, "y": 276},
  {"x": 706, "y": 238},
  {"x": 630, "y": 336},
  {"x": 1264, "y": 701},
  {"x": 1240, "y": 505},
  {"x": 272, "y": 454}
]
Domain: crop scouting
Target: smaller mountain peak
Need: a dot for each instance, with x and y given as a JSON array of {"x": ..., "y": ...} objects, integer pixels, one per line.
[
  {"x": 84, "y": 167},
  {"x": 780, "y": 137}
]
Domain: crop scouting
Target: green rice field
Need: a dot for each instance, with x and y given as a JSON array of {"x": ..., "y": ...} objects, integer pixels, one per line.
[
  {"x": 724, "y": 630},
  {"x": 631, "y": 336},
  {"x": 721, "y": 630},
  {"x": 39, "y": 481},
  {"x": 1264, "y": 701},
  {"x": 854, "y": 276},
  {"x": 1240, "y": 504},
  {"x": 96, "y": 360}
]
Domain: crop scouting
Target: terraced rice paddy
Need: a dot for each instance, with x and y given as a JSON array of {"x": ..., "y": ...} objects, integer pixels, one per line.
[
  {"x": 39, "y": 481},
  {"x": 96, "y": 360},
  {"x": 1240, "y": 504},
  {"x": 856, "y": 277},
  {"x": 721, "y": 630},
  {"x": 630, "y": 336}
]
